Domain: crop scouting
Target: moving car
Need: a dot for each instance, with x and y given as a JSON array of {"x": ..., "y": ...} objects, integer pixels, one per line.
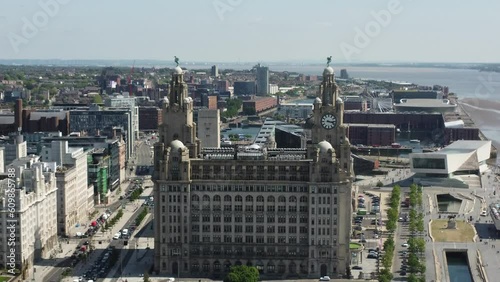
[
  {"x": 117, "y": 236},
  {"x": 325, "y": 278}
]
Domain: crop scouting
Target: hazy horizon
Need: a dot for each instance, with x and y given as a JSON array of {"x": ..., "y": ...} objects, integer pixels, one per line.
[{"x": 232, "y": 31}]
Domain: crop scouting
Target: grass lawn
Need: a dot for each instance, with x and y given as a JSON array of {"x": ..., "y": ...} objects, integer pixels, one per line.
[
  {"x": 3, "y": 278},
  {"x": 463, "y": 233}
]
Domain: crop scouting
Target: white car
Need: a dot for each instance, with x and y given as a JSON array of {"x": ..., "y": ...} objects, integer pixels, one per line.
[
  {"x": 405, "y": 245},
  {"x": 125, "y": 232},
  {"x": 484, "y": 213},
  {"x": 325, "y": 278},
  {"x": 117, "y": 236}
]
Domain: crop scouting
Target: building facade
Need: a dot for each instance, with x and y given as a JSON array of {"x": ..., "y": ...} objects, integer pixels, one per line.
[
  {"x": 149, "y": 118},
  {"x": 35, "y": 212},
  {"x": 74, "y": 198},
  {"x": 262, "y": 80},
  {"x": 209, "y": 127},
  {"x": 285, "y": 211},
  {"x": 95, "y": 120},
  {"x": 128, "y": 103}
]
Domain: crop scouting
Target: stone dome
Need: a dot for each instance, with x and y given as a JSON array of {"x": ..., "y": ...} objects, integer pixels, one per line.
[
  {"x": 328, "y": 71},
  {"x": 176, "y": 145},
  {"x": 324, "y": 146},
  {"x": 317, "y": 100},
  {"x": 178, "y": 70}
]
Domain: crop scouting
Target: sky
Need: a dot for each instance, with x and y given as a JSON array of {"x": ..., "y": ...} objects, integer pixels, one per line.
[{"x": 251, "y": 30}]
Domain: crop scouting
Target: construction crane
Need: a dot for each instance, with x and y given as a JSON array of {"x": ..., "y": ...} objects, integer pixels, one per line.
[{"x": 129, "y": 80}]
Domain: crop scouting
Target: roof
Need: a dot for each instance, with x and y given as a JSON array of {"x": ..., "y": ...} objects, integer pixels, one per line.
[
  {"x": 37, "y": 115},
  {"x": 7, "y": 119},
  {"x": 454, "y": 124},
  {"x": 424, "y": 103},
  {"x": 467, "y": 145}
]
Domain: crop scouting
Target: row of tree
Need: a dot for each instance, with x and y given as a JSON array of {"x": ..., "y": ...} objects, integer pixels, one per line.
[
  {"x": 416, "y": 245},
  {"x": 389, "y": 244}
]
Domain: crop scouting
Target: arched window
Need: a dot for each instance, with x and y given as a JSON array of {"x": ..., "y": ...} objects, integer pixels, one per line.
[
  {"x": 292, "y": 199},
  {"x": 260, "y": 199},
  {"x": 216, "y": 198},
  {"x": 249, "y": 199},
  {"x": 281, "y": 199},
  {"x": 195, "y": 198},
  {"x": 238, "y": 198},
  {"x": 206, "y": 198},
  {"x": 227, "y": 198},
  {"x": 270, "y": 199}
]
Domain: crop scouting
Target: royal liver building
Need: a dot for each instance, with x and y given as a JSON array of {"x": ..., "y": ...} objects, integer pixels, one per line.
[{"x": 285, "y": 211}]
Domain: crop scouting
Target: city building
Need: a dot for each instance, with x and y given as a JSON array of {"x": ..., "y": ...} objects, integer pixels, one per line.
[
  {"x": 295, "y": 110},
  {"x": 214, "y": 71},
  {"x": 222, "y": 85},
  {"x": 208, "y": 125},
  {"x": 344, "y": 74},
  {"x": 355, "y": 103},
  {"x": 425, "y": 105},
  {"x": 446, "y": 166},
  {"x": 14, "y": 148},
  {"x": 35, "y": 212},
  {"x": 372, "y": 134},
  {"x": 273, "y": 89},
  {"x": 244, "y": 87},
  {"x": 115, "y": 148},
  {"x": 398, "y": 95},
  {"x": 2, "y": 162},
  {"x": 95, "y": 121},
  {"x": 75, "y": 201},
  {"x": 285, "y": 211},
  {"x": 98, "y": 172},
  {"x": 262, "y": 80},
  {"x": 257, "y": 105},
  {"x": 149, "y": 118},
  {"x": 121, "y": 101}
]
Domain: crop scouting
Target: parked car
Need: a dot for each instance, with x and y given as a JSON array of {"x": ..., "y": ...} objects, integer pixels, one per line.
[
  {"x": 325, "y": 278},
  {"x": 405, "y": 245},
  {"x": 357, "y": 267},
  {"x": 117, "y": 236}
]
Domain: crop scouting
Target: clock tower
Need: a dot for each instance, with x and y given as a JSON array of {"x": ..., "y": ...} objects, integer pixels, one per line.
[
  {"x": 327, "y": 119},
  {"x": 178, "y": 121}
]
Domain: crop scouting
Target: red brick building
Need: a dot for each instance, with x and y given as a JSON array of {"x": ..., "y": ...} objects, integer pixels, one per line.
[{"x": 259, "y": 104}]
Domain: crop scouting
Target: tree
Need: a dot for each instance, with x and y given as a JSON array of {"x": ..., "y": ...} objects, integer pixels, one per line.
[
  {"x": 146, "y": 277},
  {"x": 242, "y": 273},
  {"x": 97, "y": 99},
  {"x": 380, "y": 184}
]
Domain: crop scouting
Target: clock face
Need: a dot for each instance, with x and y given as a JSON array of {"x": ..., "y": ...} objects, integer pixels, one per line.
[{"x": 329, "y": 121}]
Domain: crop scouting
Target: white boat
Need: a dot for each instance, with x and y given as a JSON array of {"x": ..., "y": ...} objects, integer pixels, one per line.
[{"x": 414, "y": 141}]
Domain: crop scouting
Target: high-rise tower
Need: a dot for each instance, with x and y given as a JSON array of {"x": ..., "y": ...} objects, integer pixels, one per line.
[{"x": 262, "y": 80}]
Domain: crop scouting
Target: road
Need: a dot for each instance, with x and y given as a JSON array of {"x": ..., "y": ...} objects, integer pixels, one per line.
[
  {"x": 56, "y": 273},
  {"x": 144, "y": 154}
]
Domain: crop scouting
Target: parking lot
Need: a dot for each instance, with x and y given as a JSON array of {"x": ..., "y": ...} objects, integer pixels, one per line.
[{"x": 369, "y": 227}]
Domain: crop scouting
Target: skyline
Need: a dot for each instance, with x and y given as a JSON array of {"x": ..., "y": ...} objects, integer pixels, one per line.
[{"x": 229, "y": 31}]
